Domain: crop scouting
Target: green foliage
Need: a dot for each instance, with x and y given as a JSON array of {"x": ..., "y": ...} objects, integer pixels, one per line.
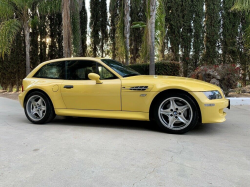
[
  {"x": 98, "y": 25},
  {"x": 161, "y": 68},
  {"x": 50, "y": 6},
  {"x": 160, "y": 28},
  {"x": 230, "y": 27},
  {"x": 103, "y": 25},
  {"x": 12, "y": 68},
  {"x": 113, "y": 11},
  {"x": 186, "y": 34},
  {"x": 83, "y": 26},
  {"x": 174, "y": 25},
  {"x": 241, "y": 5},
  {"x": 43, "y": 32},
  {"x": 34, "y": 34},
  {"x": 6, "y": 11},
  {"x": 76, "y": 30},
  {"x": 212, "y": 29},
  {"x": 55, "y": 34},
  {"x": 138, "y": 19},
  {"x": 198, "y": 31},
  {"x": 8, "y": 31},
  {"x": 119, "y": 35},
  {"x": 139, "y": 24}
]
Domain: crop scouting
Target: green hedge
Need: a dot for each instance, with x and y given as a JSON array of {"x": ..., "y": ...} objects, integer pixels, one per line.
[{"x": 161, "y": 68}]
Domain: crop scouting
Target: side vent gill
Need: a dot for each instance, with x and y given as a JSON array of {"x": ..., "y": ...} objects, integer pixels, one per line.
[{"x": 141, "y": 88}]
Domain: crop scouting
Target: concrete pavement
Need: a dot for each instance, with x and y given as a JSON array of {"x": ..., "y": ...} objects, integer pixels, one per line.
[{"x": 100, "y": 152}]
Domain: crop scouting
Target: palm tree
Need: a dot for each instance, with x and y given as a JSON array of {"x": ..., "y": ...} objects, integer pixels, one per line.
[{"x": 14, "y": 15}]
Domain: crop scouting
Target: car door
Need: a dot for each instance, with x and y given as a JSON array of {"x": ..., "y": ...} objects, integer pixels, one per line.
[{"x": 78, "y": 92}]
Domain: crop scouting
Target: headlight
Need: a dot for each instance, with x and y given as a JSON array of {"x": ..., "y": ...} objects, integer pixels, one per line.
[{"x": 213, "y": 94}]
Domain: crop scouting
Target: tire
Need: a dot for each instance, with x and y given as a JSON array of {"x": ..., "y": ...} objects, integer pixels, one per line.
[
  {"x": 38, "y": 108},
  {"x": 176, "y": 113}
]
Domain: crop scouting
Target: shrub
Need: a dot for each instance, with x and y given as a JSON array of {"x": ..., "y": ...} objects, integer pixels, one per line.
[
  {"x": 161, "y": 68},
  {"x": 226, "y": 75}
]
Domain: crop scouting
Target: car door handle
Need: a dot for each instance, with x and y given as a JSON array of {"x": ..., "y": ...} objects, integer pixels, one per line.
[{"x": 68, "y": 86}]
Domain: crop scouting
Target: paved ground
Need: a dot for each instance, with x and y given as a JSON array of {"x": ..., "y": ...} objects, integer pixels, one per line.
[{"x": 97, "y": 152}]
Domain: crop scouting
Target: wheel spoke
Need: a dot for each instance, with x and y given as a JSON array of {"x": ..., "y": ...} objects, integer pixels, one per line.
[
  {"x": 43, "y": 108},
  {"x": 172, "y": 104},
  {"x": 181, "y": 118},
  {"x": 33, "y": 103},
  {"x": 166, "y": 112},
  {"x": 183, "y": 108},
  {"x": 39, "y": 102},
  {"x": 171, "y": 122},
  {"x": 40, "y": 113},
  {"x": 34, "y": 111}
]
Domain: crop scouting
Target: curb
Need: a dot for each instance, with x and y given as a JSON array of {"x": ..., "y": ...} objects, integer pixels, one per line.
[{"x": 239, "y": 101}]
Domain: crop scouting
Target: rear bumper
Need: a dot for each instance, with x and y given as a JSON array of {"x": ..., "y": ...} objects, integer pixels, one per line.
[
  {"x": 212, "y": 111},
  {"x": 21, "y": 98}
]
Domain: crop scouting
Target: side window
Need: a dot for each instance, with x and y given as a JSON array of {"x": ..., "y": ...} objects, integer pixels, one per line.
[
  {"x": 104, "y": 73},
  {"x": 79, "y": 69},
  {"x": 54, "y": 70}
]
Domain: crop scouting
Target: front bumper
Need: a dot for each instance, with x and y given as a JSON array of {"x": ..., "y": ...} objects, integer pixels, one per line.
[
  {"x": 212, "y": 111},
  {"x": 228, "y": 104}
]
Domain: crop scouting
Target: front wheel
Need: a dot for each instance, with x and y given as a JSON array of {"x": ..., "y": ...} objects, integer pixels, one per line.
[
  {"x": 38, "y": 108},
  {"x": 176, "y": 113}
]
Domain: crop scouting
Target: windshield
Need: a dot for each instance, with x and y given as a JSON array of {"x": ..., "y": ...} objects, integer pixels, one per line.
[{"x": 122, "y": 70}]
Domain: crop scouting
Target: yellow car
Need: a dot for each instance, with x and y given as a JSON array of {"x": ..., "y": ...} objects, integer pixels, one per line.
[{"x": 104, "y": 88}]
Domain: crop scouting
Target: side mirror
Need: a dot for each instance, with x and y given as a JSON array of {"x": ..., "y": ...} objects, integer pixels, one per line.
[{"x": 95, "y": 77}]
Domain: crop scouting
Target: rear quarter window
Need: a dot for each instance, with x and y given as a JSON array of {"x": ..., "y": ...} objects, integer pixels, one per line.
[{"x": 54, "y": 70}]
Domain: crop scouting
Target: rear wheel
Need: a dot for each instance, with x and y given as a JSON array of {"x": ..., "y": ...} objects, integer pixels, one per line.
[
  {"x": 176, "y": 113},
  {"x": 38, "y": 108}
]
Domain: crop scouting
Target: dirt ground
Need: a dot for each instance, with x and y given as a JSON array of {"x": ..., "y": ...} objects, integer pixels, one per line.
[{"x": 10, "y": 95}]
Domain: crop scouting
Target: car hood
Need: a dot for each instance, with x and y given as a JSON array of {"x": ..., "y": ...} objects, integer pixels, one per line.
[{"x": 172, "y": 82}]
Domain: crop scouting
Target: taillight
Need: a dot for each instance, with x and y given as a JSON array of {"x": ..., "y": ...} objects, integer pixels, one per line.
[{"x": 22, "y": 88}]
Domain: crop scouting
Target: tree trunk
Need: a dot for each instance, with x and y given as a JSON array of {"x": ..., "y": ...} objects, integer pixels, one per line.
[
  {"x": 67, "y": 45},
  {"x": 126, "y": 29},
  {"x": 17, "y": 82},
  {"x": 27, "y": 45},
  {"x": 102, "y": 45},
  {"x": 151, "y": 35},
  {"x": 10, "y": 88}
]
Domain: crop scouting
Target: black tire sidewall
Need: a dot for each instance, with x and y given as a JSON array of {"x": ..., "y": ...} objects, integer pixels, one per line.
[
  {"x": 49, "y": 107},
  {"x": 188, "y": 99}
]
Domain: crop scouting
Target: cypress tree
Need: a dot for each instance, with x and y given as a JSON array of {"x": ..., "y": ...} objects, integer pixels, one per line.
[
  {"x": 212, "y": 31},
  {"x": 114, "y": 12},
  {"x": 34, "y": 48},
  {"x": 137, "y": 14},
  {"x": 95, "y": 25},
  {"x": 52, "y": 54},
  {"x": 42, "y": 35},
  {"x": 174, "y": 24},
  {"x": 103, "y": 25},
  {"x": 198, "y": 15},
  {"x": 230, "y": 27},
  {"x": 186, "y": 34},
  {"x": 59, "y": 36},
  {"x": 83, "y": 26},
  {"x": 243, "y": 53}
]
